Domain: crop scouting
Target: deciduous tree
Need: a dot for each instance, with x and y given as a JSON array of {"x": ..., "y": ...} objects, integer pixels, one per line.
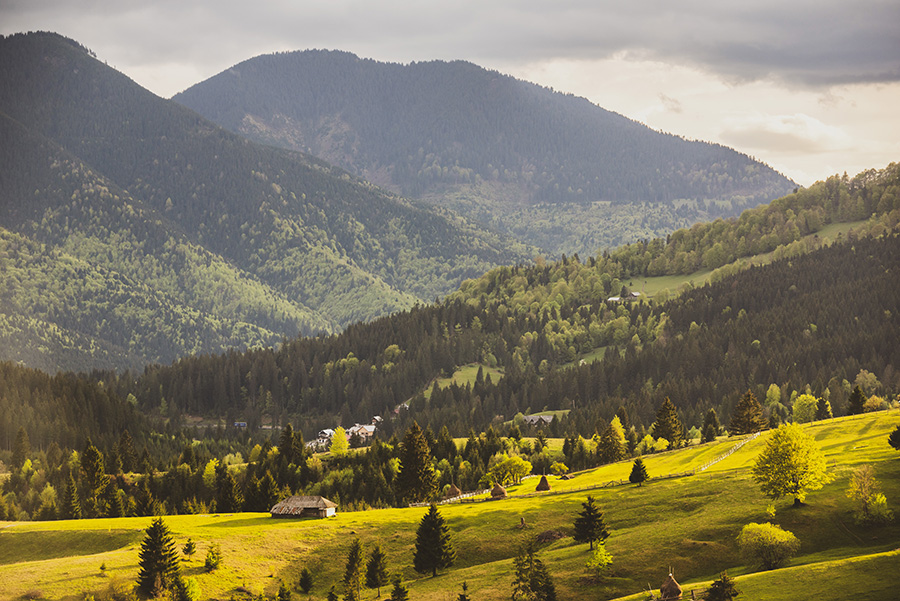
[{"x": 791, "y": 464}]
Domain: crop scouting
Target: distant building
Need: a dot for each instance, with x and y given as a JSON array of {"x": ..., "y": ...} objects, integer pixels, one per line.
[
  {"x": 538, "y": 420},
  {"x": 304, "y": 506}
]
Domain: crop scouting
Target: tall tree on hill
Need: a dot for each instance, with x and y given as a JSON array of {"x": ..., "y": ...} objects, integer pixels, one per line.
[
  {"x": 856, "y": 402},
  {"x": 611, "y": 446},
  {"x": 434, "y": 550},
  {"x": 791, "y": 464},
  {"x": 94, "y": 478},
  {"x": 286, "y": 445},
  {"x": 589, "y": 525},
  {"x": 416, "y": 481},
  {"x": 228, "y": 497},
  {"x": 71, "y": 506},
  {"x": 21, "y": 449},
  {"x": 638, "y": 472},
  {"x": 353, "y": 571},
  {"x": 894, "y": 438},
  {"x": 376, "y": 569},
  {"x": 127, "y": 454},
  {"x": 157, "y": 560},
  {"x": 710, "y": 426},
  {"x": 748, "y": 417},
  {"x": 533, "y": 581},
  {"x": 667, "y": 424}
]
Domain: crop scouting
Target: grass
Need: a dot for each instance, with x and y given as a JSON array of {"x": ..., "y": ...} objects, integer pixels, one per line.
[
  {"x": 465, "y": 375},
  {"x": 689, "y": 523}
]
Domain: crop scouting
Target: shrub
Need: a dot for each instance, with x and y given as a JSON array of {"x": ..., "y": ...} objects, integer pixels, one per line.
[
  {"x": 600, "y": 560},
  {"x": 722, "y": 589},
  {"x": 767, "y": 545},
  {"x": 213, "y": 558}
]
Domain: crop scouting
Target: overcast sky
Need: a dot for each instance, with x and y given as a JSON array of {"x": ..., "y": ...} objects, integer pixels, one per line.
[{"x": 810, "y": 87}]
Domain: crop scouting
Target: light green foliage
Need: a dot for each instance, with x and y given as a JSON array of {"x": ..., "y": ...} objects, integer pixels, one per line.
[
  {"x": 791, "y": 464},
  {"x": 804, "y": 408},
  {"x": 767, "y": 545},
  {"x": 509, "y": 470},
  {"x": 600, "y": 560},
  {"x": 557, "y": 468},
  {"x": 213, "y": 558},
  {"x": 871, "y": 504},
  {"x": 339, "y": 442}
]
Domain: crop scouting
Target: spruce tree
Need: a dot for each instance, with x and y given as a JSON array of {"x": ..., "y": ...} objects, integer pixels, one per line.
[
  {"x": 353, "y": 570},
  {"x": 306, "y": 581},
  {"x": 71, "y": 506},
  {"x": 667, "y": 424},
  {"x": 710, "y": 426},
  {"x": 748, "y": 417},
  {"x": 286, "y": 445},
  {"x": 157, "y": 560},
  {"x": 589, "y": 525},
  {"x": 126, "y": 452},
  {"x": 638, "y": 472},
  {"x": 532, "y": 582},
  {"x": 433, "y": 547},
  {"x": 21, "y": 449},
  {"x": 284, "y": 592},
  {"x": 376, "y": 569},
  {"x": 611, "y": 446},
  {"x": 399, "y": 592},
  {"x": 416, "y": 481},
  {"x": 894, "y": 438},
  {"x": 823, "y": 410},
  {"x": 113, "y": 506},
  {"x": 857, "y": 402},
  {"x": 95, "y": 479},
  {"x": 723, "y": 589},
  {"x": 228, "y": 498}
]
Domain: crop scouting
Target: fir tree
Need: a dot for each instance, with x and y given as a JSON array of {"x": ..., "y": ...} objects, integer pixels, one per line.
[
  {"x": 589, "y": 525},
  {"x": 668, "y": 425},
  {"x": 71, "y": 506},
  {"x": 416, "y": 481},
  {"x": 533, "y": 581},
  {"x": 638, "y": 472},
  {"x": 433, "y": 547},
  {"x": 710, "y": 426},
  {"x": 376, "y": 569},
  {"x": 21, "y": 449},
  {"x": 286, "y": 445},
  {"x": 464, "y": 595},
  {"x": 157, "y": 560},
  {"x": 856, "y": 402},
  {"x": 353, "y": 569},
  {"x": 723, "y": 589},
  {"x": 894, "y": 438},
  {"x": 95, "y": 479},
  {"x": 399, "y": 592},
  {"x": 823, "y": 410},
  {"x": 611, "y": 446},
  {"x": 228, "y": 498},
  {"x": 112, "y": 501},
  {"x": 284, "y": 592},
  {"x": 126, "y": 452},
  {"x": 748, "y": 417},
  {"x": 306, "y": 581},
  {"x": 190, "y": 547}
]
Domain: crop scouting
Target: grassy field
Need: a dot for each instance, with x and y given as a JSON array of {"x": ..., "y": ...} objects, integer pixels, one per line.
[
  {"x": 465, "y": 375},
  {"x": 689, "y": 523}
]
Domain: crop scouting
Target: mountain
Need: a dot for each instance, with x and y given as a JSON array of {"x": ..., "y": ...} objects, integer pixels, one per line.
[
  {"x": 554, "y": 339},
  {"x": 147, "y": 233},
  {"x": 553, "y": 169}
]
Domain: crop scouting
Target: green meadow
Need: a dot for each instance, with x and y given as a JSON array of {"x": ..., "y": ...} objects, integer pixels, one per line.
[{"x": 688, "y": 523}]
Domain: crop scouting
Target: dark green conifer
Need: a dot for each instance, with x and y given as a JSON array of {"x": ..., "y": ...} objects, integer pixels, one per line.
[
  {"x": 353, "y": 569},
  {"x": 21, "y": 449},
  {"x": 710, "y": 426},
  {"x": 667, "y": 424},
  {"x": 856, "y": 403},
  {"x": 157, "y": 560},
  {"x": 306, "y": 581},
  {"x": 399, "y": 592},
  {"x": 748, "y": 416},
  {"x": 723, "y": 589},
  {"x": 638, "y": 472},
  {"x": 416, "y": 481},
  {"x": 532, "y": 581},
  {"x": 589, "y": 525},
  {"x": 434, "y": 550},
  {"x": 376, "y": 570},
  {"x": 71, "y": 506},
  {"x": 228, "y": 498},
  {"x": 894, "y": 438}
]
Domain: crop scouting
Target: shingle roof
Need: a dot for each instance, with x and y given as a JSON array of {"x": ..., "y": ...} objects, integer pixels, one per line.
[{"x": 297, "y": 503}]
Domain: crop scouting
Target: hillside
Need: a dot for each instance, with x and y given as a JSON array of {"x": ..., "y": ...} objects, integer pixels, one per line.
[
  {"x": 216, "y": 242},
  {"x": 550, "y": 168},
  {"x": 688, "y": 523},
  {"x": 825, "y": 310}
]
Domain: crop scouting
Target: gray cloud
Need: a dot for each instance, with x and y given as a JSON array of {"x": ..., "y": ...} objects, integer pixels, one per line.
[{"x": 810, "y": 43}]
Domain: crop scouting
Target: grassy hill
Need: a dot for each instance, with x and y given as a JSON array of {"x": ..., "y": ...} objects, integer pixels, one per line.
[{"x": 688, "y": 523}]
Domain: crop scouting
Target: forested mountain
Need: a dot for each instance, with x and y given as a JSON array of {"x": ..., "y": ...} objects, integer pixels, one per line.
[
  {"x": 550, "y": 168},
  {"x": 134, "y": 231},
  {"x": 817, "y": 317}
]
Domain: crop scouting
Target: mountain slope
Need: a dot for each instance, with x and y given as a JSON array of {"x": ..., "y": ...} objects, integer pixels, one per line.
[
  {"x": 268, "y": 243},
  {"x": 552, "y": 168}
]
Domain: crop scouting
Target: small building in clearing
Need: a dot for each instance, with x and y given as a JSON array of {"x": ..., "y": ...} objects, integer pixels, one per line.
[{"x": 304, "y": 506}]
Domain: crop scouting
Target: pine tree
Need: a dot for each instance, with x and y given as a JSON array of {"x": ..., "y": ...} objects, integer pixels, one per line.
[
  {"x": 589, "y": 525},
  {"x": 286, "y": 445},
  {"x": 126, "y": 452},
  {"x": 723, "y": 589},
  {"x": 353, "y": 569},
  {"x": 399, "y": 592},
  {"x": 95, "y": 479},
  {"x": 21, "y": 449},
  {"x": 668, "y": 425},
  {"x": 228, "y": 498},
  {"x": 856, "y": 402},
  {"x": 376, "y": 569},
  {"x": 433, "y": 547},
  {"x": 823, "y": 410},
  {"x": 71, "y": 506},
  {"x": 532, "y": 582},
  {"x": 894, "y": 438},
  {"x": 748, "y": 417},
  {"x": 306, "y": 581},
  {"x": 157, "y": 560},
  {"x": 190, "y": 547},
  {"x": 416, "y": 481},
  {"x": 464, "y": 595},
  {"x": 113, "y": 506},
  {"x": 611, "y": 446},
  {"x": 638, "y": 472},
  {"x": 710, "y": 426}
]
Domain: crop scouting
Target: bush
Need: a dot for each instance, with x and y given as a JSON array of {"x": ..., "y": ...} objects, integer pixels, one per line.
[
  {"x": 722, "y": 589},
  {"x": 767, "y": 545},
  {"x": 213, "y": 558},
  {"x": 600, "y": 560}
]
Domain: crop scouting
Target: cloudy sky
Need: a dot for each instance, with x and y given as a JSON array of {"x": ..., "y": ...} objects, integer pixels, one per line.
[{"x": 810, "y": 87}]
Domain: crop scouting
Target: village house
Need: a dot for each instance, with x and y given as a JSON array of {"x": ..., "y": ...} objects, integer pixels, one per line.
[{"x": 304, "y": 506}]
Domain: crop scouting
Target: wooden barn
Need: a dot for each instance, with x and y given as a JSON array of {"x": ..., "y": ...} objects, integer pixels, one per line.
[{"x": 303, "y": 507}]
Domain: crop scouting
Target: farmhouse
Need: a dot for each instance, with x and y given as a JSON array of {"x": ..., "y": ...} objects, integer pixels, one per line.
[{"x": 303, "y": 506}]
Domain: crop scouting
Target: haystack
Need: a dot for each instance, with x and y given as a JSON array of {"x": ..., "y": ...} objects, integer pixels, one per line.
[
  {"x": 670, "y": 590},
  {"x": 498, "y": 492},
  {"x": 452, "y": 492},
  {"x": 543, "y": 484}
]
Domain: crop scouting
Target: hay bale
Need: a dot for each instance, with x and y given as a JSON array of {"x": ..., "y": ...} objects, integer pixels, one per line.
[
  {"x": 498, "y": 492},
  {"x": 452, "y": 492},
  {"x": 543, "y": 484},
  {"x": 670, "y": 590}
]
